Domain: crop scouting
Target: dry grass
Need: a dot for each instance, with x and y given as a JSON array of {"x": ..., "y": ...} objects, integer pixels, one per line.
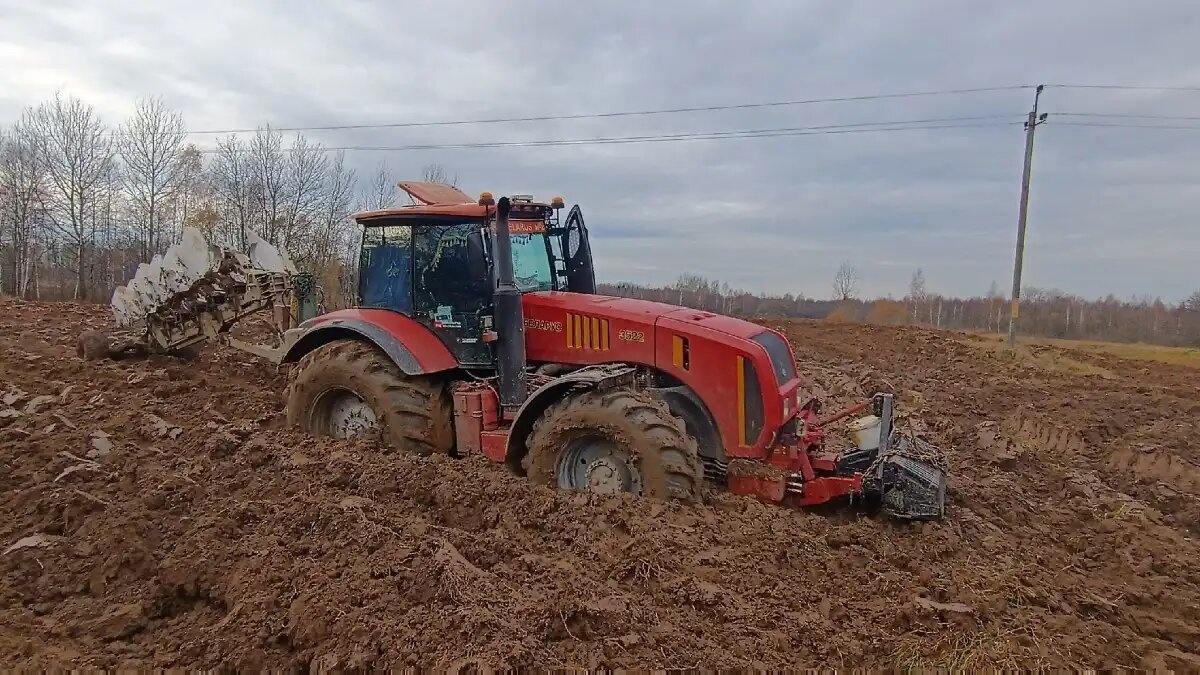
[
  {"x": 1176, "y": 356},
  {"x": 1054, "y": 362},
  {"x": 958, "y": 650}
]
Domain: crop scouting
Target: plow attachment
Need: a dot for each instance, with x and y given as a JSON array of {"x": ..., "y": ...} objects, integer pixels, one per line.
[
  {"x": 195, "y": 292},
  {"x": 909, "y": 480},
  {"x": 900, "y": 472}
]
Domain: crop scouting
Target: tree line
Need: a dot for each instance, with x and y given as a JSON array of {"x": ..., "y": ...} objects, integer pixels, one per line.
[
  {"x": 1044, "y": 312},
  {"x": 83, "y": 201}
]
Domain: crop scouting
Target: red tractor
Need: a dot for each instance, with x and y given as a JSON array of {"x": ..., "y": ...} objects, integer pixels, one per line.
[{"x": 480, "y": 332}]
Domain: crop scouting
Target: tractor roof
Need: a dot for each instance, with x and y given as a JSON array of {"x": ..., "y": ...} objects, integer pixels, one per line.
[
  {"x": 440, "y": 200},
  {"x": 417, "y": 210}
]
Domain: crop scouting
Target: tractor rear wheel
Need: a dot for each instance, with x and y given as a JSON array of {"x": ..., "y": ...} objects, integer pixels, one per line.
[
  {"x": 349, "y": 387},
  {"x": 618, "y": 440}
]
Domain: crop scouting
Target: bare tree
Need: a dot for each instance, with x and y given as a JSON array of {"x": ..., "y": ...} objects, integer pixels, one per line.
[
  {"x": 22, "y": 191},
  {"x": 1188, "y": 323},
  {"x": 436, "y": 173},
  {"x": 1192, "y": 304},
  {"x": 231, "y": 175},
  {"x": 324, "y": 244},
  {"x": 304, "y": 189},
  {"x": 5, "y": 207},
  {"x": 845, "y": 282},
  {"x": 335, "y": 240},
  {"x": 76, "y": 151},
  {"x": 107, "y": 238},
  {"x": 381, "y": 190},
  {"x": 994, "y": 307},
  {"x": 917, "y": 294},
  {"x": 189, "y": 188},
  {"x": 151, "y": 142},
  {"x": 269, "y": 172}
]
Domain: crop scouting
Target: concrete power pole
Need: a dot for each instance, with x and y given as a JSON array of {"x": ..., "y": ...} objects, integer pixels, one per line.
[{"x": 1030, "y": 125}]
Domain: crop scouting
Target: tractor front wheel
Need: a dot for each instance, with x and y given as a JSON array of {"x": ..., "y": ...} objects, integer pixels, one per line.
[
  {"x": 349, "y": 388},
  {"x": 612, "y": 441}
]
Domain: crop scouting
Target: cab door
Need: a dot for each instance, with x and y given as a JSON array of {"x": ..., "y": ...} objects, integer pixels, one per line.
[
  {"x": 448, "y": 298},
  {"x": 385, "y": 268},
  {"x": 577, "y": 250}
]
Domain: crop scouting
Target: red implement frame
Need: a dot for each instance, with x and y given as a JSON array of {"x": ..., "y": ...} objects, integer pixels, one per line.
[{"x": 799, "y": 472}]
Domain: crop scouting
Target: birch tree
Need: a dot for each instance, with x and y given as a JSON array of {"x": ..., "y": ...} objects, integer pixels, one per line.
[
  {"x": 231, "y": 176},
  {"x": 188, "y": 196},
  {"x": 337, "y": 243},
  {"x": 339, "y": 196},
  {"x": 22, "y": 191},
  {"x": 269, "y": 173},
  {"x": 303, "y": 189},
  {"x": 76, "y": 153},
  {"x": 151, "y": 142},
  {"x": 917, "y": 294}
]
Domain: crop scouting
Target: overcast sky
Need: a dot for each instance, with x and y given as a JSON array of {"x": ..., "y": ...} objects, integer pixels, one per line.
[{"x": 1113, "y": 210}]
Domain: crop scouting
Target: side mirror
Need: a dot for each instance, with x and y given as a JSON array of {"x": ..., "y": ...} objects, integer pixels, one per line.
[{"x": 477, "y": 262}]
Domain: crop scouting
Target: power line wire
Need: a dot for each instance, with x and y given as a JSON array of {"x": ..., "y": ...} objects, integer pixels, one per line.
[
  {"x": 631, "y": 113},
  {"x": 1126, "y": 115},
  {"x": 1118, "y": 125},
  {"x": 1132, "y": 87},
  {"x": 738, "y": 132},
  {"x": 663, "y": 138}
]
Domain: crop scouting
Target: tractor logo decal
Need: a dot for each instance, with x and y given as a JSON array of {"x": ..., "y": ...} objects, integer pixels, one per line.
[
  {"x": 587, "y": 332},
  {"x": 543, "y": 324},
  {"x": 522, "y": 227}
]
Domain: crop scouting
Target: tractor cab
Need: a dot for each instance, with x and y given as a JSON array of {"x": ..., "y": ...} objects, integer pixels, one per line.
[{"x": 434, "y": 260}]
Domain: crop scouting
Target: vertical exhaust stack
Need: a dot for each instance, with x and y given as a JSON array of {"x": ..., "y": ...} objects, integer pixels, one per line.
[{"x": 510, "y": 317}]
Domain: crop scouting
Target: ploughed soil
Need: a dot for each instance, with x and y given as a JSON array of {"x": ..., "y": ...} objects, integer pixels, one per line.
[{"x": 155, "y": 512}]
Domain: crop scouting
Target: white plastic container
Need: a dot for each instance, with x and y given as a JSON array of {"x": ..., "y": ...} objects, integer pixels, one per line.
[{"x": 866, "y": 432}]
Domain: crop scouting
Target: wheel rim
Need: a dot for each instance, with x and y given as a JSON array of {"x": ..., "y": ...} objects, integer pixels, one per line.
[
  {"x": 342, "y": 413},
  {"x": 597, "y": 465}
]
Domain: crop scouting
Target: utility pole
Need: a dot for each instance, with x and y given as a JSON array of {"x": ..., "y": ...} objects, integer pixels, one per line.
[{"x": 1030, "y": 125}]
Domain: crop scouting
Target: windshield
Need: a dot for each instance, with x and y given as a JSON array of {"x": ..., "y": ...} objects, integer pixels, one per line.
[
  {"x": 531, "y": 255},
  {"x": 781, "y": 356},
  {"x": 531, "y": 263}
]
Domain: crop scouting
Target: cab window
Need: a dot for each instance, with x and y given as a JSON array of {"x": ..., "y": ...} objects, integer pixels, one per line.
[
  {"x": 446, "y": 291},
  {"x": 385, "y": 268},
  {"x": 531, "y": 262}
]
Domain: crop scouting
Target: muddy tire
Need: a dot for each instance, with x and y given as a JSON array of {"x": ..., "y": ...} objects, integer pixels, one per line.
[
  {"x": 618, "y": 440},
  {"x": 412, "y": 412}
]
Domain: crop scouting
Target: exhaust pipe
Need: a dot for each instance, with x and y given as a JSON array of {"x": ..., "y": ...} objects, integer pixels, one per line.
[{"x": 510, "y": 317}]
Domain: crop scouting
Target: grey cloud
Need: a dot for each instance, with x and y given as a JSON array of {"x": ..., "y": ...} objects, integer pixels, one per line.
[{"x": 1112, "y": 209}]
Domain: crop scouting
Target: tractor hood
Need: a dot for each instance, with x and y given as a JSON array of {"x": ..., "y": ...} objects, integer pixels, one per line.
[
  {"x": 632, "y": 312},
  {"x": 722, "y": 359}
]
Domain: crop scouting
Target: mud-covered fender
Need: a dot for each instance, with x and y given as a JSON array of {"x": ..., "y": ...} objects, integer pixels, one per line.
[
  {"x": 687, "y": 405},
  {"x": 594, "y": 377},
  {"x": 411, "y": 345}
]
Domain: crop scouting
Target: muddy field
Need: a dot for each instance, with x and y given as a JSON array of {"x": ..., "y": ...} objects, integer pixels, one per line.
[{"x": 156, "y": 513}]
